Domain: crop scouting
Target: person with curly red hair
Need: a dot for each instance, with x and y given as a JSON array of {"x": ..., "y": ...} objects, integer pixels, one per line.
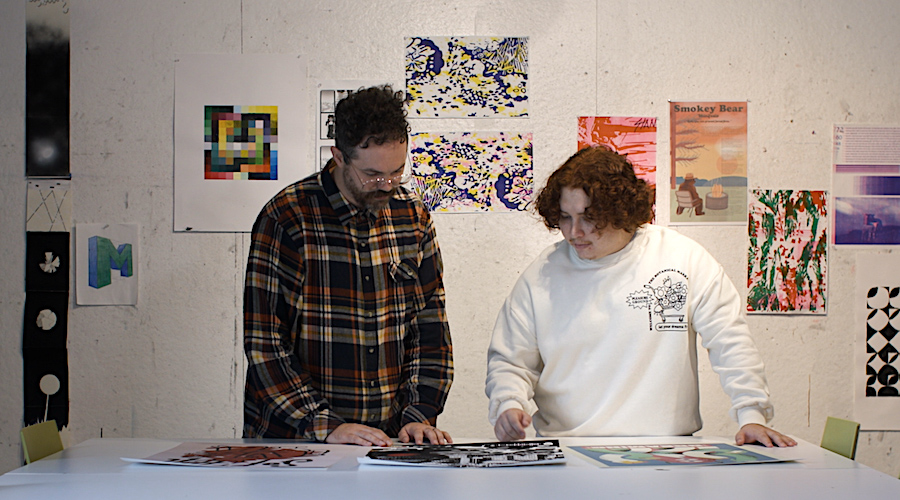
[{"x": 598, "y": 336}]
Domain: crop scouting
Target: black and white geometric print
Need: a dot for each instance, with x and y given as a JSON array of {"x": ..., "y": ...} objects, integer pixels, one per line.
[{"x": 882, "y": 326}]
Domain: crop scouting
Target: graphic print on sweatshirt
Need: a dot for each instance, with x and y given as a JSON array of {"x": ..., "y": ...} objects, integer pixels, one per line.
[{"x": 664, "y": 297}]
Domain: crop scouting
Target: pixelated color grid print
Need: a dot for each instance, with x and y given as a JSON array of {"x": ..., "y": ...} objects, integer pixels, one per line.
[
  {"x": 882, "y": 325},
  {"x": 241, "y": 142}
]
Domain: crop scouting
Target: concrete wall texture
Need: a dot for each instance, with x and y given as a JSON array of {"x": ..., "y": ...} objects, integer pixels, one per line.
[{"x": 172, "y": 366}]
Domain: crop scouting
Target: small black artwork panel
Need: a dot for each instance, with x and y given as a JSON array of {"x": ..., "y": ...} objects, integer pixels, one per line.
[
  {"x": 46, "y": 319},
  {"x": 47, "y": 261},
  {"x": 46, "y": 381}
]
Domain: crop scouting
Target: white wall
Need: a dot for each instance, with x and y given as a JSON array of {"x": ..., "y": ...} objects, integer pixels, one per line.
[{"x": 172, "y": 366}]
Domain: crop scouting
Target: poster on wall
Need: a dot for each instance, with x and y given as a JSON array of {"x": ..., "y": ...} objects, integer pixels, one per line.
[
  {"x": 709, "y": 163},
  {"x": 467, "y": 76},
  {"x": 469, "y": 172},
  {"x": 787, "y": 266},
  {"x": 876, "y": 368},
  {"x": 632, "y": 136},
  {"x": 106, "y": 264},
  {"x": 328, "y": 93},
  {"x": 866, "y": 180},
  {"x": 239, "y": 136}
]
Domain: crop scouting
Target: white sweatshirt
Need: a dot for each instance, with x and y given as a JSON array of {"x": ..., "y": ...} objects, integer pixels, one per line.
[{"x": 607, "y": 347}]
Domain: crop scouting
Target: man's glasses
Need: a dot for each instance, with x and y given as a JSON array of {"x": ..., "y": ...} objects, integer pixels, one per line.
[{"x": 371, "y": 183}]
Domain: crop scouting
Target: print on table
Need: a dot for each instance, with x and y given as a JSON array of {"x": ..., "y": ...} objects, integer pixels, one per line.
[
  {"x": 480, "y": 455},
  {"x": 656, "y": 455},
  {"x": 471, "y": 76},
  {"x": 241, "y": 142},
  {"x": 787, "y": 263},
  {"x": 472, "y": 172},
  {"x": 276, "y": 456}
]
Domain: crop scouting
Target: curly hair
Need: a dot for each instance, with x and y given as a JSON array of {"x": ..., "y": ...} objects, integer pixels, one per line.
[
  {"x": 369, "y": 115},
  {"x": 618, "y": 198}
]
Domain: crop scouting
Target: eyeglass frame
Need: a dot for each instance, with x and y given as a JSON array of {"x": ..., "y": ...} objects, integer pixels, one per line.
[{"x": 380, "y": 181}]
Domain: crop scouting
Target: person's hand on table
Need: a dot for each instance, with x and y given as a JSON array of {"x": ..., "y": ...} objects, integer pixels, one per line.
[
  {"x": 360, "y": 434},
  {"x": 755, "y": 433},
  {"x": 511, "y": 425},
  {"x": 418, "y": 432}
]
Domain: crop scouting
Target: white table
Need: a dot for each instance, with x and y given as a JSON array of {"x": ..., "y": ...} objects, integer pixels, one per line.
[{"x": 93, "y": 470}]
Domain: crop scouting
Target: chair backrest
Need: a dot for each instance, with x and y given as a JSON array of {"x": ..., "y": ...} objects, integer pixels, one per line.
[
  {"x": 840, "y": 436},
  {"x": 40, "y": 440},
  {"x": 684, "y": 198}
]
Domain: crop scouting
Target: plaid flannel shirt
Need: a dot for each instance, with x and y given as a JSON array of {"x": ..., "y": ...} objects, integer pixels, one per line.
[{"x": 344, "y": 317}]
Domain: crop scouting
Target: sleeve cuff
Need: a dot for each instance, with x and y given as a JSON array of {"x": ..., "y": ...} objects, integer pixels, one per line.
[{"x": 750, "y": 415}]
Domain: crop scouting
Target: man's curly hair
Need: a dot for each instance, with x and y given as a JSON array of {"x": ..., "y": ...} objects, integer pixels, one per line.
[
  {"x": 369, "y": 115},
  {"x": 618, "y": 198}
]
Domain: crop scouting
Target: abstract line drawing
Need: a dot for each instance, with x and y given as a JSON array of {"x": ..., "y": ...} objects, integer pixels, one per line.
[
  {"x": 472, "y": 172},
  {"x": 471, "y": 76},
  {"x": 48, "y": 205},
  {"x": 787, "y": 263},
  {"x": 882, "y": 325},
  {"x": 240, "y": 142}
]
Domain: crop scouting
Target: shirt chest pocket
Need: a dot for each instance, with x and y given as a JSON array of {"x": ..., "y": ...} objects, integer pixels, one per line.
[{"x": 405, "y": 280}]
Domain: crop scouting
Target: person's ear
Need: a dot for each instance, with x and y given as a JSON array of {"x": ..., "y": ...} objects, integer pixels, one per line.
[{"x": 338, "y": 156}]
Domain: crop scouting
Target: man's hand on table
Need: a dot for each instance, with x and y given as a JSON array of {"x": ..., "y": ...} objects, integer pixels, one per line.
[
  {"x": 755, "y": 433},
  {"x": 360, "y": 434},
  {"x": 418, "y": 432}
]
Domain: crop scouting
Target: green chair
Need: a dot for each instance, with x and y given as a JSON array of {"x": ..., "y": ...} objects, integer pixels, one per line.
[
  {"x": 40, "y": 440},
  {"x": 840, "y": 436}
]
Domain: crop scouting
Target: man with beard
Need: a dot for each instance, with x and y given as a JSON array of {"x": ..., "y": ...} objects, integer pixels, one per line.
[{"x": 345, "y": 329}]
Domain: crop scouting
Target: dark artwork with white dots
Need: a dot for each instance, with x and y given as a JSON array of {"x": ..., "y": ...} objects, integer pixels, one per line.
[{"x": 882, "y": 326}]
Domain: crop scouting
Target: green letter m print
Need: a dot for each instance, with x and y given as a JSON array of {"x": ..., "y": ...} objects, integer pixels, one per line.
[{"x": 103, "y": 257}]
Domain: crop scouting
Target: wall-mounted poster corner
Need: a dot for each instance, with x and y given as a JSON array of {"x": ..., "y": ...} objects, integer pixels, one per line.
[
  {"x": 708, "y": 142},
  {"x": 237, "y": 141},
  {"x": 467, "y": 76},
  {"x": 106, "y": 270},
  {"x": 787, "y": 255}
]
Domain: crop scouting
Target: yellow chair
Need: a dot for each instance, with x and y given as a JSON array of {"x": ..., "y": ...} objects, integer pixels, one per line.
[
  {"x": 40, "y": 440},
  {"x": 840, "y": 436}
]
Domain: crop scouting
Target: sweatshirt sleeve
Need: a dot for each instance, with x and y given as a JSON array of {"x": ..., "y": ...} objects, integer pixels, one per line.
[
  {"x": 514, "y": 361},
  {"x": 719, "y": 319}
]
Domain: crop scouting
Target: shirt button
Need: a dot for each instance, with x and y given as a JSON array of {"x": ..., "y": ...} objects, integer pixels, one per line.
[
  {"x": 362, "y": 244},
  {"x": 370, "y": 314},
  {"x": 372, "y": 384},
  {"x": 367, "y": 278},
  {"x": 371, "y": 350}
]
